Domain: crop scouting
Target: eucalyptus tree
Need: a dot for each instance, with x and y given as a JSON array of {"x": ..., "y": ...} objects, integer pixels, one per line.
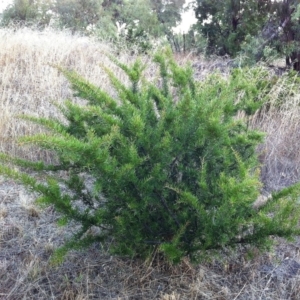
[
  {"x": 226, "y": 23},
  {"x": 234, "y": 25}
]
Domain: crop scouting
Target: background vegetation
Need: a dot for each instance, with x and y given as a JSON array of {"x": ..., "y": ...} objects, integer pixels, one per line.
[{"x": 247, "y": 29}]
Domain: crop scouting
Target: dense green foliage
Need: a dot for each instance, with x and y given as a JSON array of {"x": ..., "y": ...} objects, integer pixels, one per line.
[
  {"x": 164, "y": 167},
  {"x": 227, "y": 23},
  {"x": 255, "y": 29}
]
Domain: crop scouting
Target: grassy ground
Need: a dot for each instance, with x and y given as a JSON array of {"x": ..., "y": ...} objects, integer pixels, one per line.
[{"x": 28, "y": 234}]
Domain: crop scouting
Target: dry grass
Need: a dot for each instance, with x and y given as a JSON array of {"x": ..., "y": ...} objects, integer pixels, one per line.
[
  {"x": 280, "y": 154},
  {"x": 30, "y": 83},
  {"x": 29, "y": 234}
]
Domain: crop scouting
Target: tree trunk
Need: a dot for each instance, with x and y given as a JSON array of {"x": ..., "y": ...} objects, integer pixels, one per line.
[{"x": 295, "y": 59}]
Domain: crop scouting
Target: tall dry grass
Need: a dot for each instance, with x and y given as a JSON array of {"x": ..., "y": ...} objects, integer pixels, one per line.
[
  {"x": 29, "y": 84},
  {"x": 280, "y": 120}
]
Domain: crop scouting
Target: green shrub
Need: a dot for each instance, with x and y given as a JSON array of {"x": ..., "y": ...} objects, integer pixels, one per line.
[{"x": 165, "y": 168}]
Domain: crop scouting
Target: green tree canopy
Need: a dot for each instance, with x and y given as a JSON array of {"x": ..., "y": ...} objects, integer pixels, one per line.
[
  {"x": 251, "y": 25},
  {"x": 227, "y": 23}
]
